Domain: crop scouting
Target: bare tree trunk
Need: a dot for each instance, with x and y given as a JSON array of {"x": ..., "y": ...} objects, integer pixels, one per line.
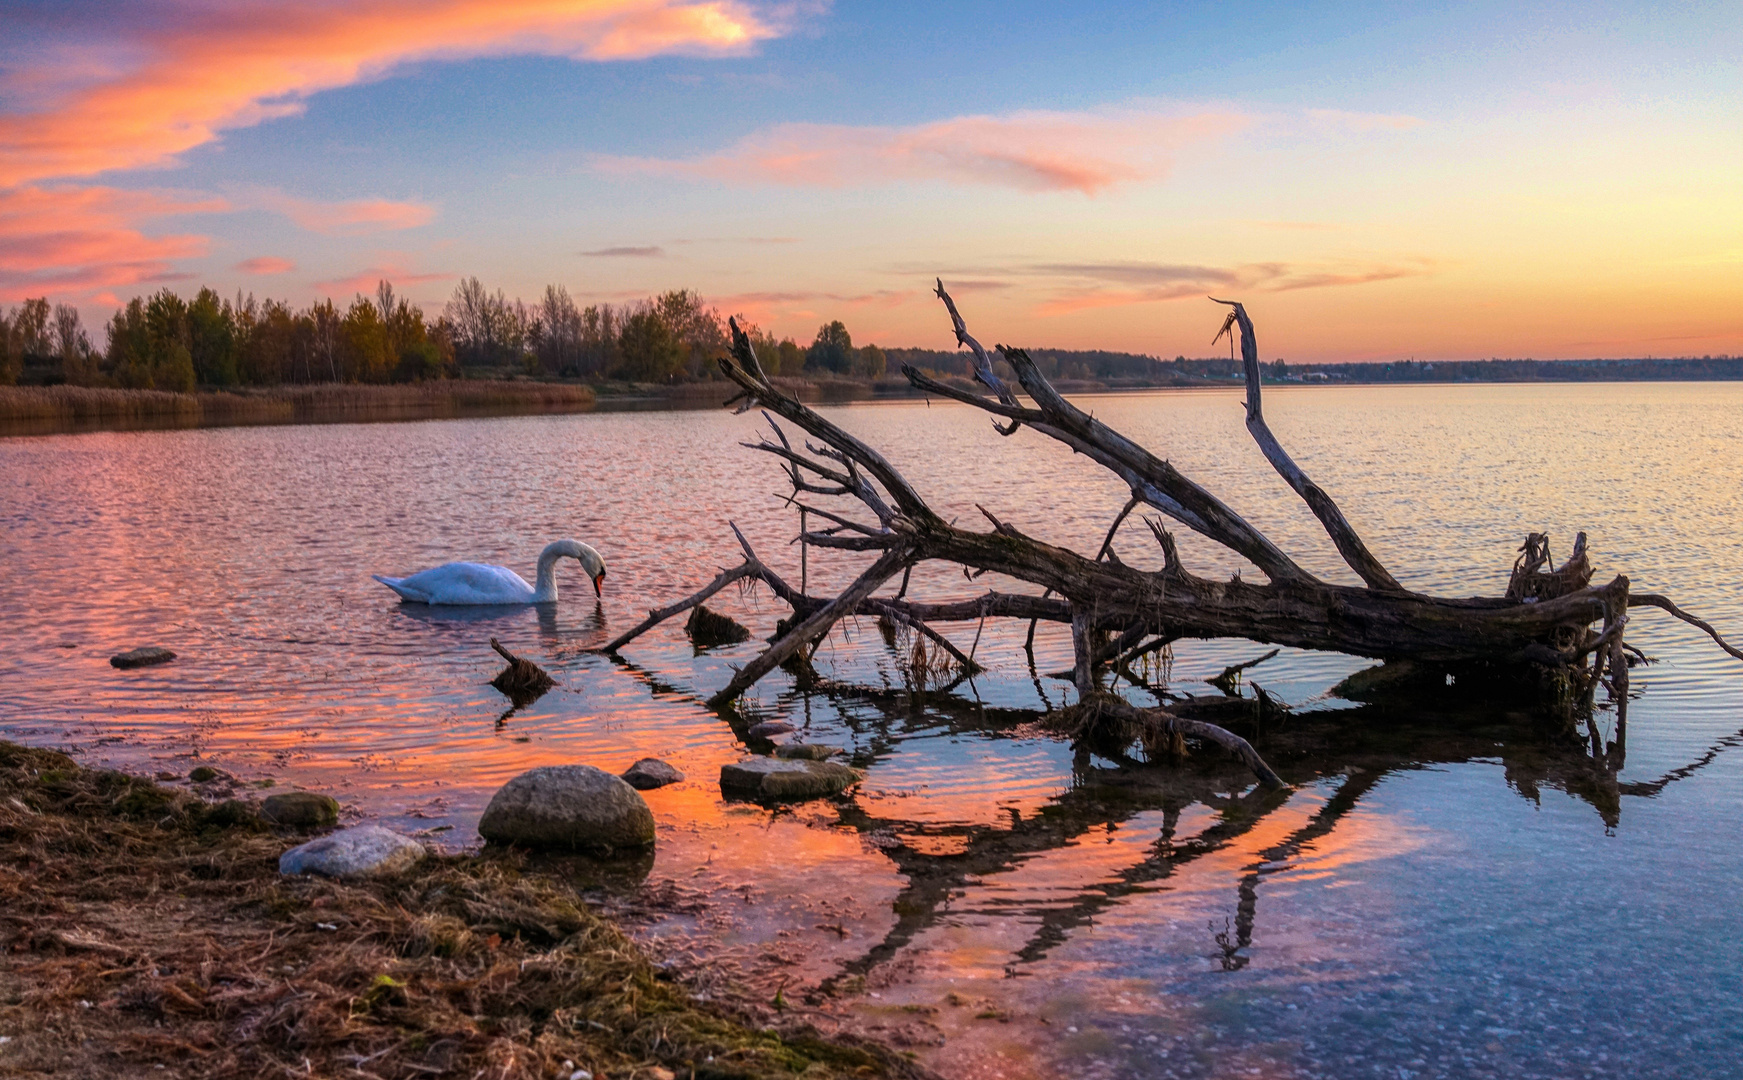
[{"x": 1117, "y": 612}]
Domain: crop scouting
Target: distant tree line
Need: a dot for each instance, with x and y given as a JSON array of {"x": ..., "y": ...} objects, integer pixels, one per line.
[
  {"x": 1640, "y": 369},
  {"x": 166, "y": 342}
]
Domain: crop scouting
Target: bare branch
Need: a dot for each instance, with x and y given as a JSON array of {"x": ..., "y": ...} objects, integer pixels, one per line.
[
  {"x": 963, "y": 661},
  {"x": 1664, "y": 604},
  {"x": 983, "y": 364},
  {"x": 747, "y": 375},
  {"x": 927, "y": 383},
  {"x": 1107, "y": 544},
  {"x": 1349, "y": 543},
  {"x": 814, "y": 626},
  {"x": 747, "y": 569}
]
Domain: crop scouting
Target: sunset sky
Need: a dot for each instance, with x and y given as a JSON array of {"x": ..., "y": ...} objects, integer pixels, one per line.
[{"x": 1374, "y": 181}]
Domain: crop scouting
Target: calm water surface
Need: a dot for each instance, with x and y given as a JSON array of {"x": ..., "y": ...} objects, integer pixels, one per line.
[{"x": 1446, "y": 892}]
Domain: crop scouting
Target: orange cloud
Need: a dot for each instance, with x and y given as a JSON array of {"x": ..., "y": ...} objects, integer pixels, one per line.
[
  {"x": 364, "y": 281},
  {"x": 197, "y": 69},
  {"x": 1086, "y": 152},
  {"x": 354, "y": 217},
  {"x": 78, "y": 239},
  {"x": 266, "y": 264}
]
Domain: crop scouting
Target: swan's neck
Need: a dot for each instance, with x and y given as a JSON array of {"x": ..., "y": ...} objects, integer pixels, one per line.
[{"x": 545, "y": 588}]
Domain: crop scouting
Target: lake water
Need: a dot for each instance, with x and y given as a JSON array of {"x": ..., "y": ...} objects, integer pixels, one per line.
[{"x": 1448, "y": 891}]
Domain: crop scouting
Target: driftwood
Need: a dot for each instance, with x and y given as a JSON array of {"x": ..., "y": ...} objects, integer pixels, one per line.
[
  {"x": 523, "y": 681},
  {"x": 1552, "y": 626}
]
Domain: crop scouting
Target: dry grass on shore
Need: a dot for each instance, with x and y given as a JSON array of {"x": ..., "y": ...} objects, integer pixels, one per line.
[
  {"x": 78, "y": 406},
  {"x": 146, "y": 933}
]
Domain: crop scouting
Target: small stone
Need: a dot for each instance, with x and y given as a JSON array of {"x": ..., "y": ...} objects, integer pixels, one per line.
[
  {"x": 570, "y": 807},
  {"x": 364, "y": 851},
  {"x": 300, "y": 810},
  {"x": 777, "y": 779},
  {"x": 768, "y": 729},
  {"x": 142, "y": 657},
  {"x": 808, "y": 751},
  {"x": 205, "y": 774},
  {"x": 650, "y": 773},
  {"x": 232, "y": 814}
]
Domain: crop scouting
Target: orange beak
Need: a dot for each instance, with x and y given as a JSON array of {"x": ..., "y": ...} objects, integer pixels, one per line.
[{"x": 598, "y": 579}]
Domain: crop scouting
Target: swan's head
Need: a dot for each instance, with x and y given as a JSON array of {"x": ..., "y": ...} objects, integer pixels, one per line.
[{"x": 589, "y": 559}]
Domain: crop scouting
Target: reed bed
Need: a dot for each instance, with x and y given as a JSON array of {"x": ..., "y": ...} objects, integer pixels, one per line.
[
  {"x": 48, "y": 408},
  {"x": 145, "y": 932}
]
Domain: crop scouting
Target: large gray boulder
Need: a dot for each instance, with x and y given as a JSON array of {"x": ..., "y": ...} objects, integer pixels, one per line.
[
  {"x": 785, "y": 780},
  {"x": 570, "y": 807},
  {"x": 364, "y": 851}
]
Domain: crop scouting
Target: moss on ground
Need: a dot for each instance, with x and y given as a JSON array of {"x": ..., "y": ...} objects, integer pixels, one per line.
[{"x": 144, "y": 932}]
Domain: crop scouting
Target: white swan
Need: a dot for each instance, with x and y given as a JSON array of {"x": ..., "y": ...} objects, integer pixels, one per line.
[{"x": 481, "y": 583}]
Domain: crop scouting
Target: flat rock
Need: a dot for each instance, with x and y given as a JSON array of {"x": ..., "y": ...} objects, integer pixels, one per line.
[
  {"x": 769, "y": 729},
  {"x": 650, "y": 773},
  {"x": 300, "y": 810},
  {"x": 364, "y": 851},
  {"x": 807, "y": 751},
  {"x": 205, "y": 774},
  {"x": 569, "y": 807},
  {"x": 785, "y": 779},
  {"x": 142, "y": 657}
]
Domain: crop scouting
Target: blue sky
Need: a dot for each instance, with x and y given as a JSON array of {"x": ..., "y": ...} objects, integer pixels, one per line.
[{"x": 1559, "y": 180}]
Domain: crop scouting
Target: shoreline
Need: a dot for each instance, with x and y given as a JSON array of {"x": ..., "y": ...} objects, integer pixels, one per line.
[
  {"x": 68, "y": 410},
  {"x": 50, "y": 410},
  {"x": 146, "y": 931}
]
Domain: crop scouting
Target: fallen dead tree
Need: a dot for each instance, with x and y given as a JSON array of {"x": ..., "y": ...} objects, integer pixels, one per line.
[{"x": 1552, "y": 628}]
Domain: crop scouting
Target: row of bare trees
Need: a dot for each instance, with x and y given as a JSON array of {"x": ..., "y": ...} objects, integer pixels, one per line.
[{"x": 166, "y": 342}]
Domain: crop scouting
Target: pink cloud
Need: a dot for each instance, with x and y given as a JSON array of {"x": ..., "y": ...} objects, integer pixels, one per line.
[
  {"x": 1103, "y": 285},
  {"x": 364, "y": 281},
  {"x": 80, "y": 239},
  {"x": 155, "y": 79},
  {"x": 1087, "y": 152},
  {"x": 266, "y": 265},
  {"x": 354, "y": 217},
  {"x": 193, "y": 69}
]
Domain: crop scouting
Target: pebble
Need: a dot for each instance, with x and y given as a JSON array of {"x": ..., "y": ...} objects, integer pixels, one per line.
[
  {"x": 650, "y": 773},
  {"x": 300, "y": 810},
  {"x": 769, "y": 728}
]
